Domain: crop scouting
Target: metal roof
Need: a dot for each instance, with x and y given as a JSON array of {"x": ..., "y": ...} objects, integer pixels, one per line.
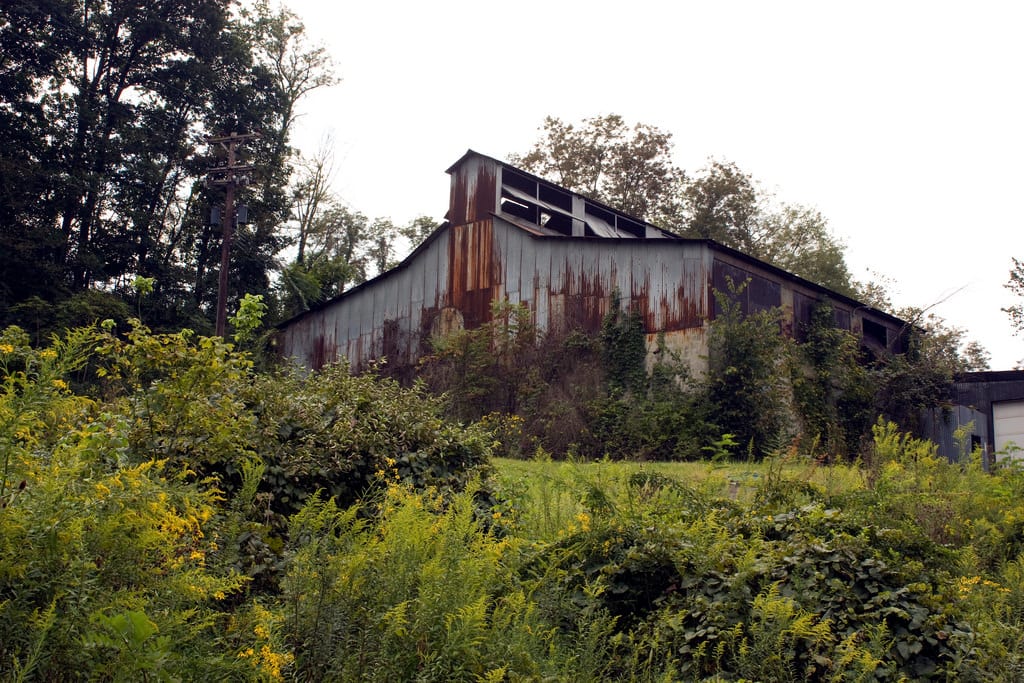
[{"x": 603, "y": 223}]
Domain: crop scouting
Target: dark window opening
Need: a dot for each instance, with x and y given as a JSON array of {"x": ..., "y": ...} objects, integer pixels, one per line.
[
  {"x": 558, "y": 222},
  {"x": 875, "y": 333},
  {"x": 597, "y": 212},
  {"x": 519, "y": 182},
  {"x": 763, "y": 294},
  {"x": 632, "y": 227},
  {"x": 725, "y": 279},
  {"x": 803, "y": 308},
  {"x": 752, "y": 292},
  {"x": 841, "y": 319},
  {"x": 555, "y": 197}
]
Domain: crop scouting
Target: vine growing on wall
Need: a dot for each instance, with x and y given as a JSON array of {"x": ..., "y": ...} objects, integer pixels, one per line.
[
  {"x": 623, "y": 347},
  {"x": 833, "y": 389},
  {"x": 747, "y": 389}
]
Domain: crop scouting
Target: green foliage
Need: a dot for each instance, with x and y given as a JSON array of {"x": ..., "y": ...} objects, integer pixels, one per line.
[
  {"x": 249, "y": 318},
  {"x": 918, "y": 380},
  {"x": 182, "y": 396},
  {"x": 104, "y": 125},
  {"x": 423, "y": 595},
  {"x": 193, "y": 519},
  {"x": 834, "y": 392},
  {"x": 697, "y": 587},
  {"x": 747, "y": 392},
  {"x": 644, "y": 413},
  {"x": 798, "y": 239},
  {"x": 490, "y": 368},
  {"x": 346, "y": 435},
  {"x": 43, "y": 319},
  {"x": 138, "y": 529},
  {"x": 104, "y": 562},
  {"x": 623, "y": 347},
  {"x": 603, "y": 158}
]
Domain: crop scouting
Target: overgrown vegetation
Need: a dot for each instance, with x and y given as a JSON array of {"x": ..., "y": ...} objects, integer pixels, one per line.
[
  {"x": 143, "y": 518},
  {"x": 608, "y": 394},
  {"x": 166, "y": 512}
]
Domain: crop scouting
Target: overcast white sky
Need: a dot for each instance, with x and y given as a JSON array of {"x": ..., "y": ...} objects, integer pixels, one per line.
[{"x": 900, "y": 121}]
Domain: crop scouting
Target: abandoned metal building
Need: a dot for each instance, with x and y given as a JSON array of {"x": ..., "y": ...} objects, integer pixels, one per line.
[
  {"x": 987, "y": 408},
  {"x": 510, "y": 235}
]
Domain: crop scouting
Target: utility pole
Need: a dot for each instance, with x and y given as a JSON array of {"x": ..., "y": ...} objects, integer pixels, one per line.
[{"x": 230, "y": 176}]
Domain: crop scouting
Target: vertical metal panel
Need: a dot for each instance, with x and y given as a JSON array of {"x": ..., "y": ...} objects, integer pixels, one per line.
[
  {"x": 443, "y": 269},
  {"x": 499, "y": 249},
  {"x": 512, "y": 256},
  {"x": 573, "y": 269},
  {"x": 474, "y": 274},
  {"x": 378, "y": 305},
  {"x": 473, "y": 190},
  {"x": 363, "y": 312},
  {"x": 431, "y": 271},
  {"x": 657, "y": 301},
  {"x": 350, "y": 322}
]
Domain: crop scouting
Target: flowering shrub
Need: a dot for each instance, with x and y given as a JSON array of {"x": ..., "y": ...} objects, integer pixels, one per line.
[
  {"x": 138, "y": 526},
  {"x": 186, "y": 518}
]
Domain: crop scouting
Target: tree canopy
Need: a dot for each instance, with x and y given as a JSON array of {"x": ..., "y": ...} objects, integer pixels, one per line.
[
  {"x": 630, "y": 168},
  {"x": 105, "y": 110}
]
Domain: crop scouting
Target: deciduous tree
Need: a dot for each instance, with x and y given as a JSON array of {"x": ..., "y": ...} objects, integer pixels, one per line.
[
  {"x": 630, "y": 168},
  {"x": 722, "y": 203},
  {"x": 105, "y": 108}
]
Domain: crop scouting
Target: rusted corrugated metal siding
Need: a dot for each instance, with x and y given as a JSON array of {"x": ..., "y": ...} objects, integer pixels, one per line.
[
  {"x": 474, "y": 271},
  {"x": 570, "y": 282},
  {"x": 566, "y": 282},
  {"x": 522, "y": 250},
  {"x": 474, "y": 192},
  {"x": 382, "y": 317}
]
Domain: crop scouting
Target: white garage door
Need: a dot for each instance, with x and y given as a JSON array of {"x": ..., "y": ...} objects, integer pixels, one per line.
[{"x": 1008, "y": 417}]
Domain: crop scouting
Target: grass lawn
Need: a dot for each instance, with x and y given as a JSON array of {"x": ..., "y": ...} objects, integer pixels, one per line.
[{"x": 550, "y": 494}]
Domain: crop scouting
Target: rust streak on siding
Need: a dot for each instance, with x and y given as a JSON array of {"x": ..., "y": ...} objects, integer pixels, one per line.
[{"x": 474, "y": 272}]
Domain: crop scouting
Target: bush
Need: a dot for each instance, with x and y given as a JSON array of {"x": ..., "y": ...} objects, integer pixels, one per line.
[
  {"x": 137, "y": 525},
  {"x": 333, "y": 527},
  {"x": 349, "y": 435},
  {"x": 108, "y": 567},
  {"x": 421, "y": 594}
]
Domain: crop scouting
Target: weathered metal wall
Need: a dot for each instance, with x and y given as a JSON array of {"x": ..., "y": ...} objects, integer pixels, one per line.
[
  {"x": 939, "y": 425},
  {"x": 475, "y": 271},
  {"x": 976, "y": 392},
  {"x": 474, "y": 193},
  {"x": 387, "y": 316},
  {"x": 569, "y": 282},
  {"x": 566, "y": 283},
  {"x": 488, "y": 254}
]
